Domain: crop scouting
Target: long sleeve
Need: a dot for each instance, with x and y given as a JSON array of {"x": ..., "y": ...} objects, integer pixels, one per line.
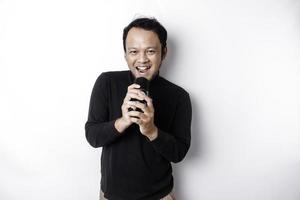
[
  {"x": 173, "y": 146},
  {"x": 99, "y": 130}
]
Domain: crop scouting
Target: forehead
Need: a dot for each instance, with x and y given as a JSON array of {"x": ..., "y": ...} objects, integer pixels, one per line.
[{"x": 138, "y": 37}]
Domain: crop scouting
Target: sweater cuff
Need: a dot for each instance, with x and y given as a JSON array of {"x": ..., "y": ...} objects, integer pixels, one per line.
[
  {"x": 159, "y": 143},
  {"x": 114, "y": 133}
]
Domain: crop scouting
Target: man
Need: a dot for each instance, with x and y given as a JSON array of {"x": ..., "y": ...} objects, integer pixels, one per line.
[{"x": 139, "y": 146}]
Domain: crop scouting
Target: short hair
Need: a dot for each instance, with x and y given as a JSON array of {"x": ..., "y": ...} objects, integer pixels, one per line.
[{"x": 150, "y": 24}]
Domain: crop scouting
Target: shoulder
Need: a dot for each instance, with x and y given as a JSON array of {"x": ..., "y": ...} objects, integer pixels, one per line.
[
  {"x": 113, "y": 75},
  {"x": 109, "y": 76},
  {"x": 173, "y": 88}
]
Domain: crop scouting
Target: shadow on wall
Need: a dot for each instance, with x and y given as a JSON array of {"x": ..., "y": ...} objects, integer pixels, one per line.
[
  {"x": 196, "y": 149},
  {"x": 297, "y": 6},
  {"x": 194, "y": 154},
  {"x": 169, "y": 64}
]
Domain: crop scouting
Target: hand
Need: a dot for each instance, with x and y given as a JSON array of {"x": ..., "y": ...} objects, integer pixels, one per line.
[
  {"x": 144, "y": 119},
  {"x": 125, "y": 121}
]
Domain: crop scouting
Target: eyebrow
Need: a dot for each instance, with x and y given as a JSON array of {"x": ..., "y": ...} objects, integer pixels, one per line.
[{"x": 137, "y": 48}]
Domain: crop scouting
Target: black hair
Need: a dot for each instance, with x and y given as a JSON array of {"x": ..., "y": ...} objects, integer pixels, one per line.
[{"x": 149, "y": 24}]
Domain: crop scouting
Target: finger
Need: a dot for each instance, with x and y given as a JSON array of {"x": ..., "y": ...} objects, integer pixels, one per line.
[
  {"x": 126, "y": 107},
  {"x": 127, "y": 98},
  {"x": 149, "y": 104},
  {"x": 137, "y": 104},
  {"x": 137, "y": 91},
  {"x": 132, "y": 86},
  {"x": 142, "y": 119},
  {"x": 148, "y": 100},
  {"x": 130, "y": 96},
  {"x": 148, "y": 115},
  {"x": 134, "y": 113},
  {"x": 133, "y": 89},
  {"x": 140, "y": 94},
  {"x": 135, "y": 120},
  {"x": 148, "y": 112}
]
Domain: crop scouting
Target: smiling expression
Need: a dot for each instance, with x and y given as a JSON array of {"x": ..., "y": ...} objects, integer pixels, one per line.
[{"x": 143, "y": 53}]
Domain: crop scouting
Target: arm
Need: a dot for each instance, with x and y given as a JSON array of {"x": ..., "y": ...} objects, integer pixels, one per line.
[
  {"x": 173, "y": 146},
  {"x": 99, "y": 130}
]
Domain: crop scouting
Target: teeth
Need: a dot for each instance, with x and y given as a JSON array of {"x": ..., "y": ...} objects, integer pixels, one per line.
[{"x": 143, "y": 69}]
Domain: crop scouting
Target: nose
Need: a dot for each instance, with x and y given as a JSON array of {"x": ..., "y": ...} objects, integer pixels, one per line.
[{"x": 143, "y": 58}]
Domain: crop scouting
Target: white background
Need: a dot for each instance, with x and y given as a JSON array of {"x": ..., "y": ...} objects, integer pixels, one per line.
[{"x": 238, "y": 59}]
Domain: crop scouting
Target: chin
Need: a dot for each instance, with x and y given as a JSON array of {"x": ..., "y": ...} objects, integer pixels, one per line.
[
  {"x": 137, "y": 75},
  {"x": 149, "y": 77}
]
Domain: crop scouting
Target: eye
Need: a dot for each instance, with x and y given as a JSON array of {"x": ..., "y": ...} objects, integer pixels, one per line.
[
  {"x": 151, "y": 51},
  {"x": 133, "y": 52}
]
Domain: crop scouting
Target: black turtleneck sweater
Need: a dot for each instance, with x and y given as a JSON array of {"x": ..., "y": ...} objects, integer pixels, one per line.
[{"x": 132, "y": 166}]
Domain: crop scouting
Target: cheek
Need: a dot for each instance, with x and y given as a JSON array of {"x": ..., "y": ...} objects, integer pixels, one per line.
[
  {"x": 129, "y": 61},
  {"x": 157, "y": 61}
]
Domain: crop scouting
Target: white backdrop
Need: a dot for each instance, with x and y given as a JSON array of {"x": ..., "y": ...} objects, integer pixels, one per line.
[{"x": 238, "y": 59}]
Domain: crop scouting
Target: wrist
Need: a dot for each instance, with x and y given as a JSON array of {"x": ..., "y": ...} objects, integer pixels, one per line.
[
  {"x": 121, "y": 125},
  {"x": 153, "y": 134}
]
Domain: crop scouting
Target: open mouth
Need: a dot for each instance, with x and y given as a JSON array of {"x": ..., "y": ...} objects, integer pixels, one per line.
[{"x": 142, "y": 69}]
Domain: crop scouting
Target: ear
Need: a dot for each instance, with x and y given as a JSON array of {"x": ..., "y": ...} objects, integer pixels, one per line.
[{"x": 164, "y": 53}]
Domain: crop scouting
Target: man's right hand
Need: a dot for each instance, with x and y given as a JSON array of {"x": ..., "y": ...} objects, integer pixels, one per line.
[{"x": 125, "y": 121}]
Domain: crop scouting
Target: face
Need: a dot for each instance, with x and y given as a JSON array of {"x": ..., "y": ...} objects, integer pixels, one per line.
[{"x": 143, "y": 53}]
